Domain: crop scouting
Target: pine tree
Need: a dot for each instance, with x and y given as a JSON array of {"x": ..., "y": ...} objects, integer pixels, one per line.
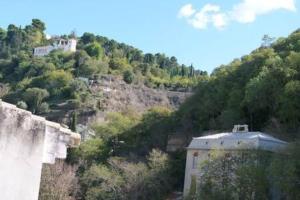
[{"x": 73, "y": 122}]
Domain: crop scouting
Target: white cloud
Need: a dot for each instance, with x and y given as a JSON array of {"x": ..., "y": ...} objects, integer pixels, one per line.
[
  {"x": 186, "y": 11},
  {"x": 210, "y": 8},
  {"x": 248, "y": 10},
  {"x": 202, "y": 18},
  {"x": 244, "y": 12},
  {"x": 219, "y": 20}
]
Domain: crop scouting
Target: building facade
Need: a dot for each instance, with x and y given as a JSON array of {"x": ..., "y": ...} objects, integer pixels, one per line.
[
  {"x": 65, "y": 45},
  {"x": 26, "y": 142},
  {"x": 233, "y": 142}
]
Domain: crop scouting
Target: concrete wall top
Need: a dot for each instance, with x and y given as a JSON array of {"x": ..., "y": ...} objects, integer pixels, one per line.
[{"x": 56, "y": 137}]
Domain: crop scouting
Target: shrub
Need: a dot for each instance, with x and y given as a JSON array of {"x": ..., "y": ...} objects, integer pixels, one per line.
[
  {"x": 43, "y": 108},
  {"x": 34, "y": 97},
  {"x": 90, "y": 150},
  {"x": 22, "y": 105},
  {"x": 128, "y": 76},
  {"x": 94, "y": 49},
  {"x": 58, "y": 182}
]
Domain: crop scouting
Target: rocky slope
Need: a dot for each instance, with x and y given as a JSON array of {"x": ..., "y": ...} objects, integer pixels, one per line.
[
  {"x": 117, "y": 95},
  {"x": 112, "y": 94}
]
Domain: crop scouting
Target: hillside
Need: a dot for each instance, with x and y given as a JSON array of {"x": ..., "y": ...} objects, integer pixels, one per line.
[
  {"x": 260, "y": 89},
  {"x": 110, "y": 93},
  {"x": 119, "y": 95},
  {"x": 59, "y": 82}
]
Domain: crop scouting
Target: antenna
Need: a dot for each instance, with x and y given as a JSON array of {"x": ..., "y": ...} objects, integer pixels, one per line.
[
  {"x": 73, "y": 34},
  {"x": 267, "y": 40}
]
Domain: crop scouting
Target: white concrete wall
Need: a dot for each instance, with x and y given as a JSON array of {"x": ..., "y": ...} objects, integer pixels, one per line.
[
  {"x": 189, "y": 170},
  {"x": 26, "y": 142},
  {"x": 43, "y": 51},
  {"x": 21, "y": 153},
  {"x": 72, "y": 45}
]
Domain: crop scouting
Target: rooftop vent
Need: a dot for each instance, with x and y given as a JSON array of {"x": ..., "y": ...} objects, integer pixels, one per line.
[{"x": 240, "y": 129}]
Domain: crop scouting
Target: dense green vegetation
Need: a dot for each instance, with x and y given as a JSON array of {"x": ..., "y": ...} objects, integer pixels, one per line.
[
  {"x": 58, "y": 72},
  {"x": 260, "y": 89},
  {"x": 126, "y": 160}
]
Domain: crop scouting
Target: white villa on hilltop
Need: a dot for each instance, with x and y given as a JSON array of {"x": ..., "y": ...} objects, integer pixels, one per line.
[
  {"x": 65, "y": 45},
  {"x": 239, "y": 139}
]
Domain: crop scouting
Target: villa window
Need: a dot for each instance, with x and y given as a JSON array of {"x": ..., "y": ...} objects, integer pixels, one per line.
[
  {"x": 195, "y": 160},
  {"x": 226, "y": 161}
]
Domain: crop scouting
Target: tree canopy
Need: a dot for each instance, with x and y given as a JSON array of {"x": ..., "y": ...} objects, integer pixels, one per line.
[{"x": 259, "y": 89}]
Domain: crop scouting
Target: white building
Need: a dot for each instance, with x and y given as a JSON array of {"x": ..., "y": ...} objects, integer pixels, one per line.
[
  {"x": 26, "y": 142},
  {"x": 66, "y": 45},
  {"x": 239, "y": 139}
]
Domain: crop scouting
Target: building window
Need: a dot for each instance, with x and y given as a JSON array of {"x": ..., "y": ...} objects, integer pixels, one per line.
[
  {"x": 195, "y": 160},
  {"x": 226, "y": 162}
]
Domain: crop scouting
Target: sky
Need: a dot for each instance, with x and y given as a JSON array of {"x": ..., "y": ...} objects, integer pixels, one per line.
[{"x": 205, "y": 33}]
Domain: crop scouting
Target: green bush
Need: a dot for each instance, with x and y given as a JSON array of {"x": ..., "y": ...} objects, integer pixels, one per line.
[
  {"x": 22, "y": 105},
  {"x": 43, "y": 108},
  {"x": 128, "y": 76},
  {"x": 34, "y": 97},
  {"x": 91, "y": 150},
  {"x": 121, "y": 179},
  {"x": 94, "y": 50}
]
